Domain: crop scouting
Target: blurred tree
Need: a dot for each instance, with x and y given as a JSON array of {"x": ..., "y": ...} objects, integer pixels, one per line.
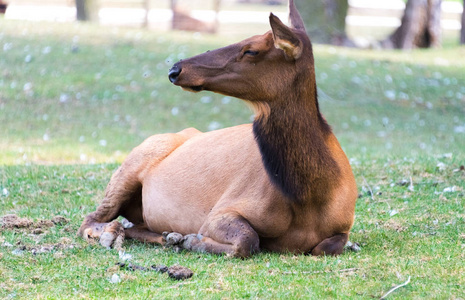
[
  {"x": 462, "y": 31},
  {"x": 3, "y": 7},
  {"x": 420, "y": 26},
  {"x": 325, "y": 20},
  {"x": 87, "y": 10},
  {"x": 145, "y": 22}
]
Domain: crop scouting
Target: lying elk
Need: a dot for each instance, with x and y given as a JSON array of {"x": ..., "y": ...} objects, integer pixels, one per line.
[{"x": 280, "y": 184}]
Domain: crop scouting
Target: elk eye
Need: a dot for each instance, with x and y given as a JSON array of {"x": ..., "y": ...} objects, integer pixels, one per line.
[{"x": 251, "y": 53}]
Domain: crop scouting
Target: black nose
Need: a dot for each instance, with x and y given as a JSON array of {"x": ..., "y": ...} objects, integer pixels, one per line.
[{"x": 174, "y": 72}]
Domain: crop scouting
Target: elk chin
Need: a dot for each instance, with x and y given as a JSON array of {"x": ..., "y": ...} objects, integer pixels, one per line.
[{"x": 193, "y": 89}]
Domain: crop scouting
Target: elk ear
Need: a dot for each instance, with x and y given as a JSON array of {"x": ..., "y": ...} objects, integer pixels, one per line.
[
  {"x": 285, "y": 39},
  {"x": 294, "y": 17}
]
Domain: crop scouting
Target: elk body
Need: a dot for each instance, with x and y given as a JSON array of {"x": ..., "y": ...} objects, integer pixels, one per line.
[{"x": 280, "y": 184}]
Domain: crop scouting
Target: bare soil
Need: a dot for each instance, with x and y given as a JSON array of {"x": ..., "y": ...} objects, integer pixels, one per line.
[{"x": 12, "y": 221}]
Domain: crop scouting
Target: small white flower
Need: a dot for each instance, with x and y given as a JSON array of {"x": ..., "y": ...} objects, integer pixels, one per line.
[
  {"x": 441, "y": 166},
  {"x": 46, "y": 50},
  {"x": 115, "y": 278},
  {"x": 459, "y": 129},
  {"x": 206, "y": 99},
  {"x": 450, "y": 189},
  {"x": 175, "y": 111},
  {"x": 447, "y": 155},
  {"x": 64, "y": 98},
  {"x": 411, "y": 188},
  {"x": 17, "y": 252},
  {"x": 123, "y": 256},
  {"x": 27, "y": 86},
  {"x": 390, "y": 94},
  {"x": 214, "y": 125}
]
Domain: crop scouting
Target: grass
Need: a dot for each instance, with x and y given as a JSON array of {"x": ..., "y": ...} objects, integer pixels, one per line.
[{"x": 75, "y": 99}]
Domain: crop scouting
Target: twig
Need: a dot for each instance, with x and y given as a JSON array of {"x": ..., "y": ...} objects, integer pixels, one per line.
[
  {"x": 369, "y": 188},
  {"x": 319, "y": 272},
  {"x": 410, "y": 187},
  {"x": 395, "y": 288}
]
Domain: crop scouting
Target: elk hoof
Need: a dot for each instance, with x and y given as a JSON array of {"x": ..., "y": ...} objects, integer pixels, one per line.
[
  {"x": 173, "y": 238},
  {"x": 112, "y": 236},
  {"x": 106, "y": 239},
  {"x": 192, "y": 242}
]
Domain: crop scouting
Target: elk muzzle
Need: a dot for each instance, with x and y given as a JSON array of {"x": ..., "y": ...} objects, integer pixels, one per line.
[
  {"x": 186, "y": 84},
  {"x": 174, "y": 72}
]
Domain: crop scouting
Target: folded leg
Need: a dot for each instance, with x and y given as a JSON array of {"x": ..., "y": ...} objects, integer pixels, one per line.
[
  {"x": 331, "y": 246},
  {"x": 225, "y": 233}
]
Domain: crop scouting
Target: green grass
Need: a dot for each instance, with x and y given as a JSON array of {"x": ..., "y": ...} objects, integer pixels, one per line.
[{"x": 75, "y": 99}]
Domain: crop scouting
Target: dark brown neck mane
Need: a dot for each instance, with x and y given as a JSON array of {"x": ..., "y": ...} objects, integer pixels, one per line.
[{"x": 291, "y": 139}]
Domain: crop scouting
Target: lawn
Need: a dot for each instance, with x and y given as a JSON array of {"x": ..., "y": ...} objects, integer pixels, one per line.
[{"x": 75, "y": 99}]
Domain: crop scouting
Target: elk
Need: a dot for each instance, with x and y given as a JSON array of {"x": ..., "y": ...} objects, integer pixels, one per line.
[{"x": 281, "y": 184}]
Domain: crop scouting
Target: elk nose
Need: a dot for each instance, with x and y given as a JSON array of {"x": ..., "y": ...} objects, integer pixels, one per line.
[{"x": 174, "y": 72}]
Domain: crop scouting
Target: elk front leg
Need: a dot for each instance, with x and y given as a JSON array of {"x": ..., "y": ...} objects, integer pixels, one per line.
[
  {"x": 142, "y": 234},
  {"x": 123, "y": 195},
  {"x": 227, "y": 233}
]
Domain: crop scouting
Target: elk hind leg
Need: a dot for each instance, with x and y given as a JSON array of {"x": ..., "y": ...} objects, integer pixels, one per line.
[
  {"x": 226, "y": 233},
  {"x": 331, "y": 246}
]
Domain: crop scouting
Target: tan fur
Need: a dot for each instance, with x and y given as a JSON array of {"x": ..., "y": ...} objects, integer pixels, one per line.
[{"x": 282, "y": 184}]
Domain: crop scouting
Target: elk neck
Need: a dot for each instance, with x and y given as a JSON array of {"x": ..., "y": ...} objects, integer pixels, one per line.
[{"x": 292, "y": 137}]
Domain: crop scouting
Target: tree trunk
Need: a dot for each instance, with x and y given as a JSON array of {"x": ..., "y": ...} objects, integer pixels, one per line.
[
  {"x": 145, "y": 22},
  {"x": 325, "y": 21},
  {"x": 216, "y": 8},
  {"x": 420, "y": 26},
  {"x": 462, "y": 31},
  {"x": 3, "y": 7},
  {"x": 87, "y": 10}
]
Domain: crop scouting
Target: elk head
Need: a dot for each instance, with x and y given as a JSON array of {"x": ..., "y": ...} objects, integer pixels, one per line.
[{"x": 259, "y": 69}]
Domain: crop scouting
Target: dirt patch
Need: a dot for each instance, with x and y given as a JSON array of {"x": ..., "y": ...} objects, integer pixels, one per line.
[
  {"x": 20, "y": 248},
  {"x": 393, "y": 225},
  {"x": 59, "y": 220},
  {"x": 35, "y": 229},
  {"x": 12, "y": 221}
]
